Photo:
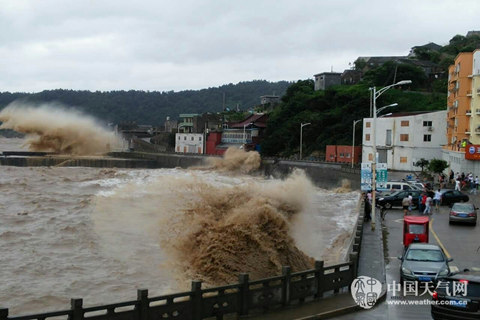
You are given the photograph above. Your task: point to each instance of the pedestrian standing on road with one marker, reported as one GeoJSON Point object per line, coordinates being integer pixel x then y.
{"type": "Point", "coordinates": [457, 184]}
{"type": "Point", "coordinates": [424, 202]}
{"type": "Point", "coordinates": [410, 203]}
{"type": "Point", "coordinates": [437, 198]}
{"type": "Point", "coordinates": [405, 205]}
{"type": "Point", "coordinates": [452, 176]}
{"type": "Point", "coordinates": [428, 206]}
{"type": "Point", "coordinates": [367, 208]}
{"type": "Point", "coordinates": [420, 203]}
{"type": "Point", "coordinates": [476, 184]}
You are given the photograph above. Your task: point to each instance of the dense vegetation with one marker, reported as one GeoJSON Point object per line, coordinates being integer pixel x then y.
{"type": "Point", "coordinates": [331, 114]}
{"type": "Point", "coordinates": [153, 107]}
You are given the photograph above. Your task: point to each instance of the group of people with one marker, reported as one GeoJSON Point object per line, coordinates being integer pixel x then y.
{"type": "Point", "coordinates": [464, 181]}
{"type": "Point", "coordinates": [426, 201]}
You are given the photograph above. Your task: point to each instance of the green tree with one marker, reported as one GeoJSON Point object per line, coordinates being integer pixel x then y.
{"type": "Point", "coordinates": [437, 166]}
{"type": "Point", "coordinates": [422, 163]}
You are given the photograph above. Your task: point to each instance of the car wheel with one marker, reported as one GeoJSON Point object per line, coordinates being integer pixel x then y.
{"type": "Point", "coordinates": [388, 205]}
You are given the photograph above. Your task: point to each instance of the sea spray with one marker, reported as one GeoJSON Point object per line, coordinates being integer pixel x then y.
{"type": "Point", "coordinates": [52, 127]}
{"type": "Point", "coordinates": [236, 160]}
{"type": "Point", "coordinates": [209, 227]}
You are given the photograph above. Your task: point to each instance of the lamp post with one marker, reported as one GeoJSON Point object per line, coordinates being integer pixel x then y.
{"type": "Point", "coordinates": [375, 95]}
{"type": "Point", "coordinates": [301, 133]}
{"type": "Point", "coordinates": [244, 137]}
{"type": "Point", "coordinates": [353, 140]}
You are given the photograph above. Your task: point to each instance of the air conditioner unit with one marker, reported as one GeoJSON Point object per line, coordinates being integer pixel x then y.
{"type": "Point", "coordinates": [429, 128]}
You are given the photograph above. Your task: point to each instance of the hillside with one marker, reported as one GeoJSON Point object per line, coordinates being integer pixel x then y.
{"type": "Point", "coordinates": [331, 114]}
{"type": "Point", "coordinates": [153, 107]}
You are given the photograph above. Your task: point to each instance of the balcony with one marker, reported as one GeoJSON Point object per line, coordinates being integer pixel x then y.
{"type": "Point", "coordinates": [478, 91]}
{"type": "Point", "coordinates": [470, 76]}
{"type": "Point", "coordinates": [468, 113]}
{"type": "Point", "coordinates": [469, 93]}
{"type": "Point", "coordinates": [467, 132]}
{"type": "Point", "coordinates": [477, 131]}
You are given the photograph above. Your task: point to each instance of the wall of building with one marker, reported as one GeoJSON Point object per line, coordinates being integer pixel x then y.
{"type": "Point", "coordinates": [343, 154]}
{"type": "Point", "coordinates": [458, 100]}
{"type": "Point", "coordinates": [415, 129]}
{"type": "Point", "coordinates": [189, 142]}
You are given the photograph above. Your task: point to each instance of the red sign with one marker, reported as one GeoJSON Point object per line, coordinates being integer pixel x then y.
{"type": "Point", "coordinates": [472, 152]}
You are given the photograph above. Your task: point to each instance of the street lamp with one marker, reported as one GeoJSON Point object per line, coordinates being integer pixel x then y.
{"type": "Point", "coordinates": [375, 95]}
{"type": "Point", "coordinates": [353, 140]}
{"type": "Point", "coordinates": [244, 137]}
{"type": "Point", "coordinates": [301, 132]}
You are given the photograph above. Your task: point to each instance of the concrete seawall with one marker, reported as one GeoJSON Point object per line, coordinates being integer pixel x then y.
{"type": "Point", "coordinates": [323, 174]}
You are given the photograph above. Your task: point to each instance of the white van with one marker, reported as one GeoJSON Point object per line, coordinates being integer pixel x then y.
{"type": "Point", "coordinates": [400, 185]}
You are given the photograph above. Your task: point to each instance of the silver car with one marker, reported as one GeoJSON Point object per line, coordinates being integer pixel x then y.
{"type": "Point", "coordinates": [463, 212]}
{"type": "Point", "coordinates": [424, 262]}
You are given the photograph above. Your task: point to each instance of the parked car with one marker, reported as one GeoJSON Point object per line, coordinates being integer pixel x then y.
{"type": "Point", "coordinates": [463, 212]}
{"type": "Point", "coordinates": [424, 262]}
{"type": "Point", "coordinates": [450, 196]}
{"type": "Point", "coordinates": [401, 185]}
{"type": "Point", "coordinates": [460, 305]}
{"type": "Point", "coordinates": [395, 199]}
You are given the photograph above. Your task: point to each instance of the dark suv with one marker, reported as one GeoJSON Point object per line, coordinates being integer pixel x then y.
{"type": "Point", "coordinates": [454, 303]}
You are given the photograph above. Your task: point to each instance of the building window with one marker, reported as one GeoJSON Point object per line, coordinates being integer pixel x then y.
{"type": "Point", "coordinates": [178, 137]}
{"type": "Point", "coordinates": [403, 159]}
{"type": "Point", "coordinates": [185, 138]}
{"type": "Point", "coordinates": [367, 137]}
{"type": "Point", "coordinates": [404, 137]}
{"type": "Point", "coordinates": [427, 137]}
{"type": "Point", "coordinates": [332, 156]}
{"type": "Point", "coordinates": [370, 156]}
{"type": "Point", "coordinates": [192, 138]}
{"type": "Point", "coordinates": [199, 138]}
{"type": "Point", "coordinates": [405, 123]}
{"type": "Point", "coordinates": [347, 155]}
{"type": "Point", "coordinates": [341, 155]}
{"type": "Point", "coordinates": [367, 124]}
{"type": "Point", "coordinates": [388, 138]}
{"type": "Point", "coordinates": [427, 123]}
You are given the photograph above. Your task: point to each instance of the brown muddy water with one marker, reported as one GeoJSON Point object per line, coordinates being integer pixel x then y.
{"type": "Point", "coordinates": [100, 234]}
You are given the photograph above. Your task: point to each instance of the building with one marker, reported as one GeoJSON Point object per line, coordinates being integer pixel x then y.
{"type": "Point", "coordinates": [185, 125]}
{"type": "Point", "coordinates": [189, 142]}
{"type": "Point", "coordinates": [327, 79]}
{"type": "Point", "coordinates": [459, 98]}
{"type": "Point", "coordinates": [272, 99]}
{"type": "Point", "coordinates": [343, 154]}
{"type": "Point", "coordinates": [463, 118]}
{"type": "Point", "coordinates": [404, 138]}
{"type": "Point", "coordinates": [351, 76]}
{"type": "Point", "coordinates": [170, 125]}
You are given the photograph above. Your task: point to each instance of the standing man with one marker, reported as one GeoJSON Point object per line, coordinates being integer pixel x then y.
{"type": "Point", "coordinates": [405, 205]}
{"type": "Point", "coordinates": [437, 198]}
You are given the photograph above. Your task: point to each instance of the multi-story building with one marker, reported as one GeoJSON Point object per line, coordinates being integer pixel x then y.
{"type": "Point", "coordinates": [404, 138]}
{"type": "Point", "coordinates": [463, 117]}
{"type": "Point", "coordinates": [459, 98]}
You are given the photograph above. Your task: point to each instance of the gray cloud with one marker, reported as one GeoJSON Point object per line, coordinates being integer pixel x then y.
{"type": "Point", "coordinates": [166, 45]}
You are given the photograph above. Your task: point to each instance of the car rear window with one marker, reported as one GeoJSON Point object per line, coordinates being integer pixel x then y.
{"type": "Point", "coordinates": [416, 228]}
{"type": "Point", "coordinates": [462, 207]}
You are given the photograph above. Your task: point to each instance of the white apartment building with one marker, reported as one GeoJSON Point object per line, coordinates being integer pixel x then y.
{"type": "Point", "coordinates": [404, 138]}
{"type": "Point", "coordinates": [189, 142]}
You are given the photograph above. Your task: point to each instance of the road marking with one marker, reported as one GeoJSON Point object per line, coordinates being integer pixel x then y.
{"type": "Point", "coordinates": [438, 240]}
{"type": "Point", "coordinates": [398, 220]}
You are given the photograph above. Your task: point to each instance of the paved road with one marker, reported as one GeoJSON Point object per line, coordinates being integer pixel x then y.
{"type": "Point", "coordinates": [461, 242]}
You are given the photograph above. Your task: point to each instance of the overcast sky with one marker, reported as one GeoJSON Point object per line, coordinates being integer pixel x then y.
{"type": "Point", "coordinates": [177, 45]}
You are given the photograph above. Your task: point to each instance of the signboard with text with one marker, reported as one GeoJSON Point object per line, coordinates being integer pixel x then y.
{"type": "Point", "coordinates": [366, 176]}
{"type": "Point", "coordinates": [472, 152]}
{"type": "Point", "coordinates": [382, 175]}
